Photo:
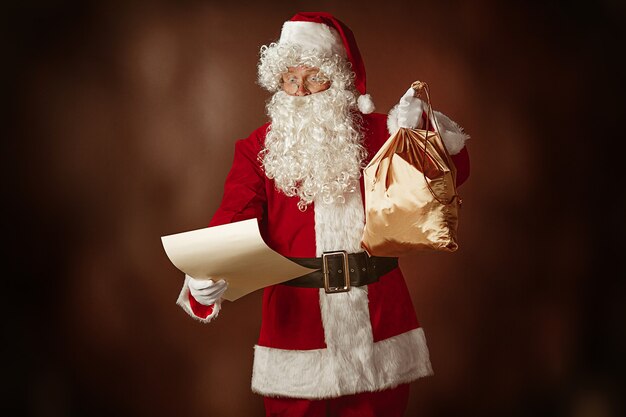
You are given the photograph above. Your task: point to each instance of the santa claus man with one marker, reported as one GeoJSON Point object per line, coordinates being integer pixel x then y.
{"type": "Point", "coordinates": [323, 351]}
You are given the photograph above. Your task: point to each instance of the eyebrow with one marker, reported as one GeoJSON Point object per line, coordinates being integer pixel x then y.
{"type": "Point", "coordinates": [307, 72]}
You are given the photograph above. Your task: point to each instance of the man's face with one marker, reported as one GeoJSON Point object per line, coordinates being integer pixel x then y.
{"type": "Point", "coordinates": [302, 81]}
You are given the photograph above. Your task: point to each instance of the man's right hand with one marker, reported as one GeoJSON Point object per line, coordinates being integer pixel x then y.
{"type": "Point", "coordinates": [207, 292]}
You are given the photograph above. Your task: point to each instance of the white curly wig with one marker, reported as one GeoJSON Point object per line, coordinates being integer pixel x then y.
{"type": "Point", "coordinates": [275, 58]}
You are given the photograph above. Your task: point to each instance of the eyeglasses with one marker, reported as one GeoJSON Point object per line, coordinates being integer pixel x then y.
{"type": "Point", "coordinates": [311, 81]}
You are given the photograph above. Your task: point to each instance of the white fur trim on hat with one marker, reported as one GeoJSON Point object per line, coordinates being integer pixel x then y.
{"type": "Point", "coordinates": [366, 104]}
{"type": "Point", "coordinates": [311, 35]}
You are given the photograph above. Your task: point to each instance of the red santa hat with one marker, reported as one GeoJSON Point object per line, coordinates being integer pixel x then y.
{"type": "Point", "coordinates": [323, 32]}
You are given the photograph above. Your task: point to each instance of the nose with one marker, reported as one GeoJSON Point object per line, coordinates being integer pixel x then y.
{"type": "Point", "coordinates": [302, 90]}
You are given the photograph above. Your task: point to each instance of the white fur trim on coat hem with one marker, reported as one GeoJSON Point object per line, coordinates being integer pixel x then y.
{"type": "Point", "coordinates": [316, 374]}
{"type": "Point", "coordinates": [452, 134]}
{"type": "Point", "coordinates": [183, 302]}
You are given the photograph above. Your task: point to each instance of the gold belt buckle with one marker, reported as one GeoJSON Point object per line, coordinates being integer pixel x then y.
{"type": "Point", "coordinates": [345, 272]}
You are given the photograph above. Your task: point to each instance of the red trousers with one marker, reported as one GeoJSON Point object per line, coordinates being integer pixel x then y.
{"type": "Point", "coordinates": [387, 403]}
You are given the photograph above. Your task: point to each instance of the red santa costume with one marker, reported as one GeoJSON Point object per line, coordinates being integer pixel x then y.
{"type": "Point", "coordinates": [315, 345]}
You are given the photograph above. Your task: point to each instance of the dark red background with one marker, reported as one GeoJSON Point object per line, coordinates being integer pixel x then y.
{"type": "Point", "coordinates": [121, 124]}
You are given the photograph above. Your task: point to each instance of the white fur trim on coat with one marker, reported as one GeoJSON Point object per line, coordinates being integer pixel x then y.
{"type": "Point", "coordinates": [339, 226]}
{"type": "Point", "coordinates": [312, 36]}
{"type": "Point", "coordinates": [183, 301]}
{"type": "Point", "coordinates": [318, 373]}
{"type": "Point", "coordinates": [452, 134]}
{"type": "Point", "coordinates": [345, 316]}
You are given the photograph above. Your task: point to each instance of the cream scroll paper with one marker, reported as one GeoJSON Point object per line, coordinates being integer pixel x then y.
{"type": "Point", "coordinates": [234, 252]}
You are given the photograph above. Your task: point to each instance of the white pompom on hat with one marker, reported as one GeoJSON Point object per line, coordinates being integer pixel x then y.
{"type": "Point", "coordinates": [323, 32]}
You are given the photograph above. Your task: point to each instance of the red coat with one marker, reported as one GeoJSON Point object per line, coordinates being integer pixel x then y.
{"type": "Point", "coordinates": [312, 344]}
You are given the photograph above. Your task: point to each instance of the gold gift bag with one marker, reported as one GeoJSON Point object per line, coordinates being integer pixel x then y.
{"type": "Point", "coordinates": [411, 202]}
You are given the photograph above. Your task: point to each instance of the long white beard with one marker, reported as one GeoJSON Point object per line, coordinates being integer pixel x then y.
{"type": "Point", "coordinates": [313, 149]}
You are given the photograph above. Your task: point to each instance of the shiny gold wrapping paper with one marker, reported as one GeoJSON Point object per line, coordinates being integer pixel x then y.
{"type": "Point", "coordinates": [410, 198]}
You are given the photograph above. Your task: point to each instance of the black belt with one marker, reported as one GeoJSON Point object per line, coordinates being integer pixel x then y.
{"type": "Point", "coordinates": [337, 271]}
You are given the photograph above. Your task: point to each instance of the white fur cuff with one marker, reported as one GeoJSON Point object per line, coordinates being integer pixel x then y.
{"type": "Point", "coordinates": [183, 302]}
{"type": "Point", "coordinates": [452, 134]}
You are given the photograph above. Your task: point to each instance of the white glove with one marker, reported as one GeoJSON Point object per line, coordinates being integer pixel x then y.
{"type": "Point", "coordinates": [410, 110]}
{"type": "Point", "coordinates": [207, 292]}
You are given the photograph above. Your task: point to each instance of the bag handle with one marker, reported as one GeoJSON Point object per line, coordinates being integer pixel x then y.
{"type": "Point", "coordinates": [418, 87]}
